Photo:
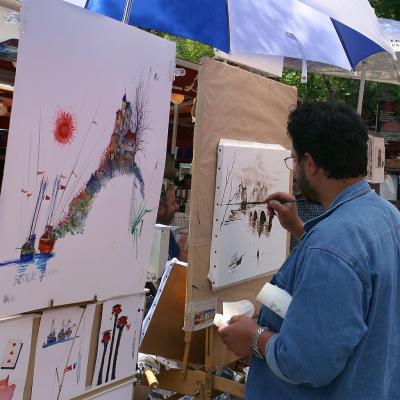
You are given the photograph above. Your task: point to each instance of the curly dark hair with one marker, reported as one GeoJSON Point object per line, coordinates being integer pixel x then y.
{"type": "Point", "coordinates": [334, 135]}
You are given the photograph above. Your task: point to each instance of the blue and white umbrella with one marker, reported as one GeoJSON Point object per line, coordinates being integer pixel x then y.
{"type": "Point", "coordinates": [312, 30]}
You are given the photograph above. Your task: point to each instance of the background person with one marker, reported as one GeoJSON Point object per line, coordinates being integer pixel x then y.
{"type": "Point", "coordinates": [306, 210]}
{"type": "Point", "coordinates": [167, 208]}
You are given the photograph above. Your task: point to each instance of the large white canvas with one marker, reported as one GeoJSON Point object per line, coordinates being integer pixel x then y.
{"type": "Point", "coordinates": [15, 348]}
{"type": "Point", "coordinates": [93, 100]}
{"type": "Point", "coordinates": [242, 248]}
{"type": "Point", "coordinates": [62, 353]}
{"type": "Point", "coordinates": [119, 337]}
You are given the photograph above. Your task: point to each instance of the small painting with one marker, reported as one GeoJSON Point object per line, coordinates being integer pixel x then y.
{"type": "Point", "coordinates": [15, 348]}
{"type": "Point", "coordinates": [246, 241]}
{"type": "Point", "coordinates": [62, 353]}
{"type": "Point", "coordinates": [117, 348]}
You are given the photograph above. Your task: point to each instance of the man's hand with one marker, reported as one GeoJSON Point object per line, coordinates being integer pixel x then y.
{"type": "Point", "coordinates": [238, 334]}
{"type": "Point", "coordinates": [287, 213]}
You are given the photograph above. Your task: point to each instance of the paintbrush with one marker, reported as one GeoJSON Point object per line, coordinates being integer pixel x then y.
{"type": "Point", "coordinates": [265, 202]}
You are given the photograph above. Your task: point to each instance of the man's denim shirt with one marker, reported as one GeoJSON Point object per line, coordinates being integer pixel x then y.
{"type": "Point", "coordinates": [341, 335]}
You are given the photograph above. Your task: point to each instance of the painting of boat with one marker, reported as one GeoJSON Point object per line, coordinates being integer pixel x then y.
{"type": "Point", "coordinates": [236, 261]}
{"type": "Point", "coordinates": [63, 335]}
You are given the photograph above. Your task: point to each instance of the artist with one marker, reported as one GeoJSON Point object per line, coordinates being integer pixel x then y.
{"type": "Point", "coordinates": [340, 338]}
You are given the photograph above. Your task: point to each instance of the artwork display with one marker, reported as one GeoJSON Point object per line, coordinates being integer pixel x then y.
{"type": "Point", "coordinates": [85, 157]}
{"type": "Point", "coordinates": [119, 337]}
{"type": "Point", "coordinates": [62, 353]}
{"type": "Point", "coordinates": [246, 241]}
{"type": "Point", "coordinates": [15, 348]}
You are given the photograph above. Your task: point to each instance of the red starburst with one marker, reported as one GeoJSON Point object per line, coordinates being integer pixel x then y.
{"type": "Point", "coordinates": [64, 127]}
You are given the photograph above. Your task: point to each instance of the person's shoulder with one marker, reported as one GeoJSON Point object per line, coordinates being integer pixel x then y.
{"type": "Point", "coordinates": [352, 225]}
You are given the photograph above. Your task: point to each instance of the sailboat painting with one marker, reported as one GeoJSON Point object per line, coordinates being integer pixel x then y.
{"type": "Point", "coordinates": [85, 157]}
{"type": "Point", "coordinates": [246, 240]}
{"type": "Point", "coordinates": [118, 344]}
{"type": "Point", "coordinates": [15, 349]}
{"type": "Point", "coordinates": [62, 353]}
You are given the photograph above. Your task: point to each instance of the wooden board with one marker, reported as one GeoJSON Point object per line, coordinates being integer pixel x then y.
{"type": "Point", "coordinates": [165, 335]}
{"type": "Point", "coordinates": [29, 379]}
{"type": "Point", "coordinates": [231, 104]}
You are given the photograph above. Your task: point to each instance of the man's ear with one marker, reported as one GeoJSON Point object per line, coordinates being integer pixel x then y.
{"type": "Point", "coordinates": [310, 164]}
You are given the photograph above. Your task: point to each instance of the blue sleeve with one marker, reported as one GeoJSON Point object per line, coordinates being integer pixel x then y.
{"type": "Point", "coordinates": [324, 322]}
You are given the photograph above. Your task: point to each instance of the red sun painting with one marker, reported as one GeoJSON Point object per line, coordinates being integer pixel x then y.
{"type": "Point", "coordinates": [64, 127]}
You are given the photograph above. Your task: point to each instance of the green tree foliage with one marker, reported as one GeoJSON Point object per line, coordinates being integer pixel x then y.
{"type": "Point", "coordinates": [321, 87]}
{"type": "Point", "coordinates": [189, 50]}
{"type": "Point", "coordinates": [387, 8]}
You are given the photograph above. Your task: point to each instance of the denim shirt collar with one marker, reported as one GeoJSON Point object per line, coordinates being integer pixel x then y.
{"type": "Point", "coordinates": [356, 190]}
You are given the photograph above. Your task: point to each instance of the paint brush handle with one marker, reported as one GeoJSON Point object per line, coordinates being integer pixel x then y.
{"type": "Point", "coordinates": [265, 202]}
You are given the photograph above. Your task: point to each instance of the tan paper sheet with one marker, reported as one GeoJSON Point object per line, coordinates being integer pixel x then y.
{"type": "Point", "coordinates": [232, 104]}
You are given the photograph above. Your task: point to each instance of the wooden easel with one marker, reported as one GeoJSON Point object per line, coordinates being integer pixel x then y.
{"type": "Point", "coordinates": [193, 349]}
{"type": "Point", "coordinates": [231, 104]}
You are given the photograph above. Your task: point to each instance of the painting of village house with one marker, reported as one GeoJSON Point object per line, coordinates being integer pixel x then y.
{"type": "Point", "coordinates": [84, 160]}
{"type": "Point", "coordinates": [246, 240]}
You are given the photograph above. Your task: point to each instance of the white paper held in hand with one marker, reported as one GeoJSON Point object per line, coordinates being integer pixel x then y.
{"type": "Point", "coordinates": [242, 307]}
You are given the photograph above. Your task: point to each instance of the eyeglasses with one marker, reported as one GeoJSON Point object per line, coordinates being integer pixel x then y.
{"type": "Point", "coordinates": [289, 162]}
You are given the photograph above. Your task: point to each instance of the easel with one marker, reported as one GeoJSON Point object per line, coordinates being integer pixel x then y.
{"type": "Point", "coordinates": [203, 382]}
{"type": "Point", "coordinates": [231, 104]}
{"type": "Point", "coordinates": [197, 374]}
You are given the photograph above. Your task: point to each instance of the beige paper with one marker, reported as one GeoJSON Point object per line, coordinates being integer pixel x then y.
{"type": "Point", "coordinates": [231, 104]}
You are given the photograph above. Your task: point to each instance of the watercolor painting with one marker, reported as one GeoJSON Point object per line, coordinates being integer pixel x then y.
{"type": "Point", "coordinates": [84, 161]}
{"type": "Point", "coordinates": [15, 347]}
{"type": "Point", "coordinates": [119, 338]}
{"type": "Point", "coordinates": [246, 241]}
{"type": "Point", "coordinates": [62, 353]}
{"type": "Point", "coordinates": [11, 354]}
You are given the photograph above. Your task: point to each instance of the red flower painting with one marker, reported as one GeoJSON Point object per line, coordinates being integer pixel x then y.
{"type": "Point", "coordinates": [64, 127]}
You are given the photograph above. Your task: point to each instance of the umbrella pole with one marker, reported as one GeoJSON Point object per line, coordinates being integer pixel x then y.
{"type": "Point", "coordinates": [127, 11]}
{"type": "Point", "coordinates": [361, 91]}
{"type": "Point", "coordinates": [175, 129]}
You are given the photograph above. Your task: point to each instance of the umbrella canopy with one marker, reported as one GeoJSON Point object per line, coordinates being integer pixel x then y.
{"type": "Point", "coordinates": [291, 28]}
{"type": "Point", "coordinates": [379, 67]}
{"type": "Point", "coordinates": [360, 17]}
{"type": "Point", "coordinates": [205, 21]}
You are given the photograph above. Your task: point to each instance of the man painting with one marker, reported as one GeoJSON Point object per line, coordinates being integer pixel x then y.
{"type": "Point", "coordinates": [340, 338]}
